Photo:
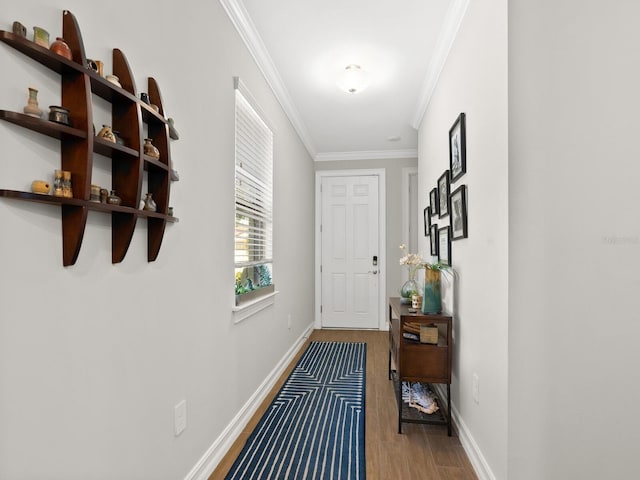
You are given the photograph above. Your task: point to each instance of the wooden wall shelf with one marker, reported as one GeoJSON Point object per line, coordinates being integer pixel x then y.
{"type": "Point", "coordinates": [78, 144]}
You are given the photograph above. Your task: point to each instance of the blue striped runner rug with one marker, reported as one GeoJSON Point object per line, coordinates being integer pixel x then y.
{"type": "Point", "coordinates": [314, 428]}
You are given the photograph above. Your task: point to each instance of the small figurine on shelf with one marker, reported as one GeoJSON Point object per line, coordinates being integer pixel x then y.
{"type": "Point", "coordinates": [173, 133]}
{"type": "Point", "coordinates": [19, 29]}
{"type": "Point", "coordinates": [32, 108]}
{"type": "Point", "coordinates": [104, 195]}
{"type": "Point", "coordinates": [149, 203]}
{"type": "Point", "coordinates": [95, 65]}
{"type": "Point", "coordinates": [150, 149]}
{"type": "Point", "coordinates": [41, 187]}
{"type": "Point", "coordinates": [57, 184]}
{"type": "Point", "coordinates": [67, 191]}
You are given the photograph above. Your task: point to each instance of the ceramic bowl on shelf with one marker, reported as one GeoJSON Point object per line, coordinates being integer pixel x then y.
{"type": "Point", "coordinates": [59, 115]}
{"type": "Point", "coordinates": [113, 79]}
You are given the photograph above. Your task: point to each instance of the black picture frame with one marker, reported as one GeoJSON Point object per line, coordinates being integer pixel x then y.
{"type": "Point", "coordinates": [458, 148]}
{"type": "Point", "coordinates": [427, 221]}
{"type": "Point", "coordinates": [443, 194]}
{"type": "Point", "coordinates": [433, 201]}
{"type": "Point", "coordinates": [433, 240]}
{"type": "Point", "coordinates": [458, 203]}
{"type": "Point", "coordinates": [444, 245]}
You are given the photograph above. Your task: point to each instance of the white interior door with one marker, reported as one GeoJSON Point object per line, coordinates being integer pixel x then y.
{"type": "Point", "coordinates": [350, 289]}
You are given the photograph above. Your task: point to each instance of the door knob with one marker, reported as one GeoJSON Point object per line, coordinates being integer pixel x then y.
{"type": "Point", "coordinates": [375, 272]}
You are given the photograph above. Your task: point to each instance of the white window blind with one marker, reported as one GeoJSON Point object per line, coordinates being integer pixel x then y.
{"type": "Point", "coordinates": [253, 198]}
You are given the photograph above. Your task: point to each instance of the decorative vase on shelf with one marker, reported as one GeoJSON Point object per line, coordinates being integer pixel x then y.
{"type": "Point", "coordinates": [113, 199]}
{"type": "Point", "coordinates": [149, 204]}
{"type": "Point", "coordinates": [61, 48]}
{"type": "Point", "coordinates": [432, 298]}
{"type": "Point", "coordinates": [32, 108]}
{"type": "Point", "coordinates": [41, 37]}
{"type": "Point", "coordinates": [106, 133]}
{"type": "Point", "coordinates": [409, 288]}
{"type": "Point", "coordinates": [150, 150]}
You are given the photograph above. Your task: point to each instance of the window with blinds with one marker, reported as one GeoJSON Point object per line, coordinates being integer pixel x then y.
{"type": "Point", "coordinates": [254, 202]}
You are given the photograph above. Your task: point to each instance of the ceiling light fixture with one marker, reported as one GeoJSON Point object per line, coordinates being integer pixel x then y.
{"type": "Point", "coordinates": [353, 79]}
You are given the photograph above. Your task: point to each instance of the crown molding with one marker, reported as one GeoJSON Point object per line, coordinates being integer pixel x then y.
{"type": "Point", "coordinates": [366, 155]}
{"type": "Point", "coordinates": [452, 22]}
{"type": "Point", "coordinates": [246, 29]}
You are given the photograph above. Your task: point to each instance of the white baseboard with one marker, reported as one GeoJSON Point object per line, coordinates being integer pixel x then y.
{"type": "Point", "coordinates": [479, 463]}
{"type": "Point", "coordinates": [214, 454]}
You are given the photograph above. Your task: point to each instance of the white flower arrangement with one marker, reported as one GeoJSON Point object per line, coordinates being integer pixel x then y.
{"type": "Point", "coordinates": [411, 260]}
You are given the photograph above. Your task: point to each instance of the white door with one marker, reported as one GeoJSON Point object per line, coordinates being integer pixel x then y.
{"type": "Point", "coordinates": [349, 252]}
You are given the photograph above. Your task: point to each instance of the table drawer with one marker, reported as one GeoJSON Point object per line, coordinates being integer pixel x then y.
{"type": "Point", "coordinates": [428, 362]}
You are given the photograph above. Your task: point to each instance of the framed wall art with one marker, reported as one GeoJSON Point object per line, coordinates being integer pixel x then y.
{"type": "Point", "coordinates": [444, 245]}
{"type": "Point", "coordinates": [459, 213]}
{"type": "Point", "coordinates": [433, 201]}
{"type": "Point", "coordinates": [443, 194]}
{"type": "Point", "coordinates": [434, 239]}
{"type": "Point", "coordinates": [457, 149]}
{"type": "Point", "coordinates": [427, 221]}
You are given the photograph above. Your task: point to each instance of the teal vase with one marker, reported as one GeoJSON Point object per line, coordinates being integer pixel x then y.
{"type": "Point", "coordinates": [432, 298]}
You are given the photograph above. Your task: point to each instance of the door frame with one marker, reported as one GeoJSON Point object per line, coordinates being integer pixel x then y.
{"type": "Point", "coordinates": [382, 243]}
{"type": "Point", "coordinates": [407, 172]}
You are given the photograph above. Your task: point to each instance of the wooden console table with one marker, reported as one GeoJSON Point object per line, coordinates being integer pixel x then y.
{"type": "Point", "coordinates": [412, 361]}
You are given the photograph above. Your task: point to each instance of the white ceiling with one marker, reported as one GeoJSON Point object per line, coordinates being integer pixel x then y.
{"type": "Point", "coordinates": [303, 45]}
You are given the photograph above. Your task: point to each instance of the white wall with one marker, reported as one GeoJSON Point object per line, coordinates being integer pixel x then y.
{"type": "Point", "coordinates": [94, 357]}
{"type": "Point", "coordinates": [474, 81]}
{"type": "Point", "coordinates": [574, 246]}
{"type": "Point", "coordinates": [393, 176]}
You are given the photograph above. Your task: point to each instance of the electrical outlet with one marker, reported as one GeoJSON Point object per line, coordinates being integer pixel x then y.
{"type": "Point", "coordinates": [289, 321]}
{"type": "Point", "coordinates": [180, 417]}
{"type": "Point", "coordinates": [476, 388]}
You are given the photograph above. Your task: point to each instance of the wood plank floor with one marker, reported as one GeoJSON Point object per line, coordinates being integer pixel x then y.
{"type": "Point", "coordinates": [422, 452]}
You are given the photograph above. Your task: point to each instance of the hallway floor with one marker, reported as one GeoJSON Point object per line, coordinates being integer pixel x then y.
{"type": "Point", "coordinates": [422, 452]}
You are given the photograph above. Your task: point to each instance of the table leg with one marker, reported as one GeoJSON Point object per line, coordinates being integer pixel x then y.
{"type": "Point", "coordinates": [399, 396]}
{"type": "Point", "coordinates": [449, 408]}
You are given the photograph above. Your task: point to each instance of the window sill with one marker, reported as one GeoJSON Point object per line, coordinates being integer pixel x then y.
{"type": "Point", "coordinates": [248, 309]}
